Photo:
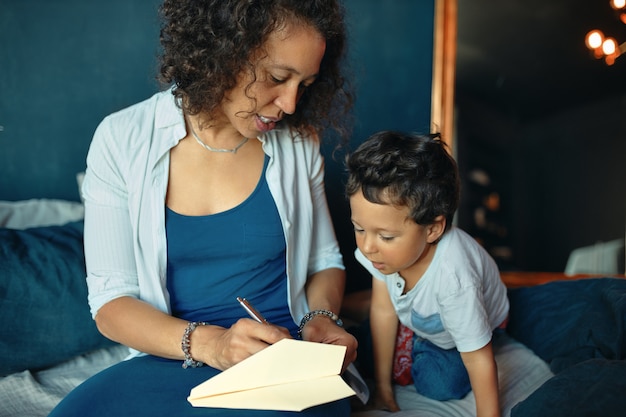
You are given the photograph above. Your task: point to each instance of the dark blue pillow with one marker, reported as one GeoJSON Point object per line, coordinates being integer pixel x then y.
{"type": "Point", "coordinates": [594, 387]}
{"type": "Point", "coordinates": [43, 298]}
{"type": "Point", "coordinates": [569, 322]}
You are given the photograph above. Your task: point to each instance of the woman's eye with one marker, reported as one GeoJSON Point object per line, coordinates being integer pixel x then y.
{"type": "Point", "coordinates": [357, 230]}
{"type": "Point", "coordinates": [276, 80]}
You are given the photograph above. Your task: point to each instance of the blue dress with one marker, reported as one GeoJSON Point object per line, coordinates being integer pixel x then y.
{"type": "Point", "coordinates": [211, 260]}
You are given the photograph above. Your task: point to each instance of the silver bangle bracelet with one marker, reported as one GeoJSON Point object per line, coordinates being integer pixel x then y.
{"type": "Point", "coordinates": [190, 362]}
{"type": "Point", "coordinates": [309, 316]}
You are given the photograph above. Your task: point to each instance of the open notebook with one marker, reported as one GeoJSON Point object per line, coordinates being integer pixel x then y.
{"type": "Point", "coordinates": [290, 375]}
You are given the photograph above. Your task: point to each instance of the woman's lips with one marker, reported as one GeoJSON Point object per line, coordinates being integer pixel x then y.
{"type": "Point", "coordinates": [265, 124]}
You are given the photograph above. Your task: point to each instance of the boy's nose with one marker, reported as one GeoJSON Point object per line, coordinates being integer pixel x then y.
{"type": "Point", "coordinates": [368, 245]}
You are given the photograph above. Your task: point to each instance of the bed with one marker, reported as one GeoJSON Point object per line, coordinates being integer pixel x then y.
{"type": "Point", "coordinates": [562, 354]}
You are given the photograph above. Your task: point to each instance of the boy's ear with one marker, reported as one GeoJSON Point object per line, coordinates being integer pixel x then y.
{"type": "Point", "coordinates": [436, 229]}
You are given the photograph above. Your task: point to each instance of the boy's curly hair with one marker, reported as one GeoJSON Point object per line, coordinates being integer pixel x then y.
{"type": "Point", "coordinates": [406, 170]}
{"type": "Point", "coordinates": [207, 43]}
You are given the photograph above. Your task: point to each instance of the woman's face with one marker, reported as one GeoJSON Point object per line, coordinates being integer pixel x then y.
{"type": "Point", "coordinates": [284, 67]}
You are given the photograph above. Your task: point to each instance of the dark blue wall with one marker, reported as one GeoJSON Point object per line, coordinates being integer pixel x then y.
{"type": "Point", "coordinates": [66, 64]}
{"type": "Point", "coordinates": [391, 49]}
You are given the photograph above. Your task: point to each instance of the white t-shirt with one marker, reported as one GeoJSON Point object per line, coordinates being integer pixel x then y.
{"type": "Point", "coordinates": [459, 300]}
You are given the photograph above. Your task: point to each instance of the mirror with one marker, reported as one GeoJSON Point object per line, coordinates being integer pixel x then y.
{"type": "Point", "coordinates": [539, 130]}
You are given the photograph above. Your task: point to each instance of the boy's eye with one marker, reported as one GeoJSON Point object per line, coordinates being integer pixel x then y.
{"type": "Point", "coordinates": [386, 238]}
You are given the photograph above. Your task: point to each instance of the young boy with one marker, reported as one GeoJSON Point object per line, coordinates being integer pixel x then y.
{"type": "Point", "coordinates": [434, 278]}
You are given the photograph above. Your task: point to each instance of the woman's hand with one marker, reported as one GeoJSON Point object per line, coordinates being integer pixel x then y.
{"type": "Point", "coordinates": [222, 348]}
{"type": "Point", "coordinates": [323, 330]}
{"type": "Point", "coordinates": [139, 325]}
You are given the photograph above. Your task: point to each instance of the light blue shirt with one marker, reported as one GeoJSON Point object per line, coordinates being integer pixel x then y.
{"type": "Point", "coordinates": [125, 188]}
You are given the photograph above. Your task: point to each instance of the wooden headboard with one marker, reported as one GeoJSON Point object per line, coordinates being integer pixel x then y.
{"type": "Point", "coordinates": [515, 279]}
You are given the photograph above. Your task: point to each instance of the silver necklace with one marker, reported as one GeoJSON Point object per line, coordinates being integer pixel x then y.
{"type": "Point", "coordinates": [212, 149]}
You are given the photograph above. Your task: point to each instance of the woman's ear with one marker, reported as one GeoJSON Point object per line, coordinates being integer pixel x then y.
{"type": "Point", "coordinates": [435, 229]}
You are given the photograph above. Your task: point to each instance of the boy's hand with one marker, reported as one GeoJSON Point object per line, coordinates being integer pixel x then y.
{"type": "Point", "coordinates": [384, 399]}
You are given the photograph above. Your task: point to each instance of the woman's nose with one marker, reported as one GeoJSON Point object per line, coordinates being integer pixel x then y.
{"type": "Point", "coordinates": [287, 100]}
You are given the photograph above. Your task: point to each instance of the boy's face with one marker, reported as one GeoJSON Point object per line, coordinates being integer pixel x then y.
{"type": "Point", "coordinates": [389, 238]}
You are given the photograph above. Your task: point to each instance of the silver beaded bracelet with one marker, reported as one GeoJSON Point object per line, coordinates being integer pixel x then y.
{"type": "Point", "coordinates": [186, 344]}
{"type": "Point", "coordinates": [308, 316]}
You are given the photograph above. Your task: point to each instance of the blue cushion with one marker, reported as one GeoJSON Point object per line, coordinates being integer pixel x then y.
{"type": "Point", "coordinates": [569, 322]}
{"type": "Point", "coordinates": [43, 298]}
{"type": "Point", "coordinates": [594, 387]}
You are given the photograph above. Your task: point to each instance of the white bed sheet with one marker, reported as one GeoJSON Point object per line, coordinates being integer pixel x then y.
{"type": "Point", "coordinates": [35, 394]}
{"type": "Point", "coordinates": [520, 373]}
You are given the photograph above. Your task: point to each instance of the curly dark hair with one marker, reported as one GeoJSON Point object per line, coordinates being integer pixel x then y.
{"type": "Point", "coordinates": [406, 170]}
{"type": "Point", "coordinates": [207, 43]}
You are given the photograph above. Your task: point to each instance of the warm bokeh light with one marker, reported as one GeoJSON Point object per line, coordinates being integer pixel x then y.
{"type": "Point", "coordinates": [594, 39]}
{"type": "Point", "coordinates": [609, 46]}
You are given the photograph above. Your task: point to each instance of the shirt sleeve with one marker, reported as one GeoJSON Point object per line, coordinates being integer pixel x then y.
{"type": "Point", "coordinates": [109, 254]}
{"type": "Point", "coordinates": [464, 316]}
{"type": "Point", "coordinates": [325, 252]}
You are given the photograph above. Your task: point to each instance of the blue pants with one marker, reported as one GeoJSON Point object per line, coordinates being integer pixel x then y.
{"type": "Point", "coordinates": [438, 373]}
{"type": "Point", "coordinates": [151, 386]}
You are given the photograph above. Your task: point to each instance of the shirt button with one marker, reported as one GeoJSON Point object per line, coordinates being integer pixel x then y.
{"type": "Point", "coordinates": [398, 284]}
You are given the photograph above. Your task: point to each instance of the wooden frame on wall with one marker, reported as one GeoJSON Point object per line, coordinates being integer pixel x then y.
{"type": "Point", "coordinates": [444, 65]}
